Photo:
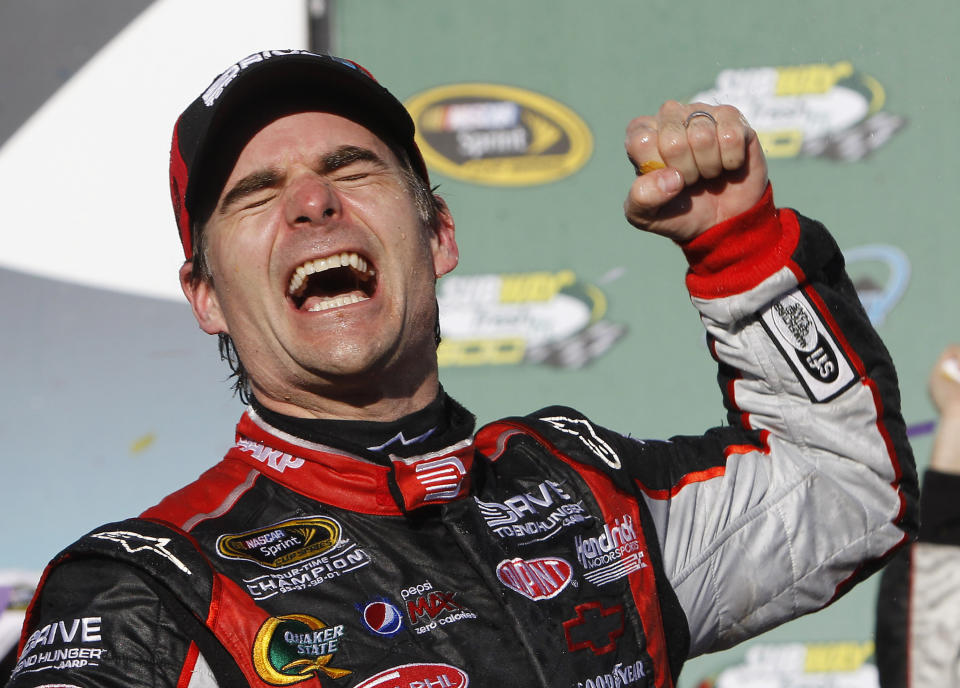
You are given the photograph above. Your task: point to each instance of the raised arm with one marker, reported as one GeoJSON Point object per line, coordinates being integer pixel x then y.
{"type": "Point", "coordinates": [811, 485]}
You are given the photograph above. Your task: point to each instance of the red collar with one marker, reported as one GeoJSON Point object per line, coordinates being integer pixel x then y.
{"type": "Point", "coordinates": [344, 480]}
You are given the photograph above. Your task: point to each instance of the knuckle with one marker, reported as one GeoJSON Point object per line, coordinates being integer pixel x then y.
{"type": "Point", "coordinates": [673, 144]}
{"type": "Point", "coordinates": [701, 138]}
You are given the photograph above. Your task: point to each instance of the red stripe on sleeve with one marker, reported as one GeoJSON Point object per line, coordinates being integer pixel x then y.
{"type": "Point", "coordinates": [739, 253]}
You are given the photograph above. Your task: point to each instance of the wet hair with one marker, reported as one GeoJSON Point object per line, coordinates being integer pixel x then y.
{"type": "Point", "coordinates": [428, 205]}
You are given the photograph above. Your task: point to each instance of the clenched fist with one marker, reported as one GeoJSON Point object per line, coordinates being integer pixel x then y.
{"type": "Point", "coordinates": [697, 165]}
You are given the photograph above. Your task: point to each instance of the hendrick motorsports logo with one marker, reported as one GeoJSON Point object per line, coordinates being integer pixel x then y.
{"type": "Point", "coordinates": [533, 317]}
{"type": "Point", "coordinates": [499, 135]}
{"type": "Point", "coordinates": [825, 110]}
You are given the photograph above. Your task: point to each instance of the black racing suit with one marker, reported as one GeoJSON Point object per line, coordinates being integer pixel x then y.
{"type": "Point", "coordinates": [540, 551]}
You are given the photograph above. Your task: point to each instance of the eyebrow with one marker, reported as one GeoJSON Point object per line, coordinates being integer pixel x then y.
{"type": "Point", "coordinates": [272, 177]}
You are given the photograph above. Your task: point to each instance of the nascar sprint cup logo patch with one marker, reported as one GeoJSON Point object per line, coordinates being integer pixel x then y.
{"type": "Point", "coordinates": [809, 347]}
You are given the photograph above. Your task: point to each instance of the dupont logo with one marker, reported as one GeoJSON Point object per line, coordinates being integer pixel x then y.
{"type": "Point", "coordinates": [418, 676]}
{"type": "Point", "coordinates": [499, 135]}
{"type": "Point", "coordinates": [536, 579]}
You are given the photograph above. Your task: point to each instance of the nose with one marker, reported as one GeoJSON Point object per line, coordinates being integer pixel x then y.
{"type": "Point", "coordinates": [311, 200]}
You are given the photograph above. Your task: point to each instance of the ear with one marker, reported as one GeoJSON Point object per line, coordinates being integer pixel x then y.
{"type": "Point", "coordinates": [443, 241]}
{"type": "Point", "coordinates": [203, 300]}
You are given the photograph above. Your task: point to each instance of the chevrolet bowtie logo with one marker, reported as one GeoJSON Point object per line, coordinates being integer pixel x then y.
{"type": "Point", "coordinates": [595, 627]}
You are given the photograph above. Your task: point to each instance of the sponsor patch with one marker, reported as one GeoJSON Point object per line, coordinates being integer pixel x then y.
{"type": "Point", "coordinates": [64, 644]}
{"type": "Point", "coordinates": [594, 627]}
{"type": "Point", "coordinates": [827, 110]}
{"type": "Point", "coordinates": [429, 608]}
{"type": "Point", "coordinates": [621, 674]}
{"type": "Point", "coordinates": [381, 617]}
{"type": "Point", "coordinates": [310, 551]}
{"type": "Point", "coordinates": [292, 648]}
{"type": "Point", "coordinates": [535, 579]}
{"type": "Point", "coordinates": [499, 135]}
{"type": "Point", "coordinates": [283, 544]}
{"type": "Point", "coordinates": [549, 318]}
{"type": "Point", "coordinates": [808, 346]}
{"type": "Point", "coordinates": [533, 516]}
{"type": "Point", "coordinates": [418, 676]}
{"type": "Point", "coordinates": [272, 458]}
{"type": "Point", "coordinates": [615, 553]}
{"type": "Point", "coordinates": [135, 542]}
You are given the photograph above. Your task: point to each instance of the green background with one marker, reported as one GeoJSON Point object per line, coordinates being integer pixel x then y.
{"type": "Point", "coordinates": [612, 60]}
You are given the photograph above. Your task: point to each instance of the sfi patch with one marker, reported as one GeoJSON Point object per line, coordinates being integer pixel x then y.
{"type": "Point", "coordinates": [809, 347]}
{"type": "Point", "coordinates": [499, 135]}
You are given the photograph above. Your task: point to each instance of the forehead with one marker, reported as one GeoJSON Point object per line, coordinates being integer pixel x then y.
{"type": "Point", "coordinates": [304, 137]}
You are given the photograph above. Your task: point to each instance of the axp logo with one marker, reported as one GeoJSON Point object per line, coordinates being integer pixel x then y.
{"type": "Point", "coordinates": [499, 135]}
{"type": "Point", "coordinates": [273, 458]}
{"type": "Point", "coordinates": [418, 676]}
{"type": "Point", "coordinates": [310, 551]}
{"type": "Point", "coordinates": [292, 648]}
{"type": "Point", "coordinates": [825, 110]}
{"type": "Point", "coordinates": [533, 516]}
{"type": "Point", "coordinates": [536, 317]}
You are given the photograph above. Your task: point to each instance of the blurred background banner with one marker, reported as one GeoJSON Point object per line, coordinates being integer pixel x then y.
{"type": "Point", "coordinates": [115, 398]}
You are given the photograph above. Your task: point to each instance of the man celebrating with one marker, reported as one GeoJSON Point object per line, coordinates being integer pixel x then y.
{"type": "Point", "coordinates": [361, 533]}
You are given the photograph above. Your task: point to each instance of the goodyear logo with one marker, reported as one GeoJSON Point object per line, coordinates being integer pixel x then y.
{"type": "Point", "coordinates": [499, 135]}
{"type": "Point", "coordinates": [548, 317]}
{"type": "Point", "coordinates": [823, 110]}
{"type": "Point", "coordinates": [293, 648]}
{"type": "Point", "coordinates": [282, 544]}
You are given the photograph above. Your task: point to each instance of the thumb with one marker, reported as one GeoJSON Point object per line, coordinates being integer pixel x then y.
{"type": "Point", "coordinates": [648, 193]}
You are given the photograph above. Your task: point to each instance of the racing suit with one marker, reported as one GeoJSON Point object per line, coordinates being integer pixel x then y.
{"type": "Point", "coordinates": [918, 606]}
{"type": "Point", "coordinates": [542, 550]}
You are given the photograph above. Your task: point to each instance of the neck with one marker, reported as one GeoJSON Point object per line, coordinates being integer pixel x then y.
{"type": "Point", "coordinates": [350, 404]}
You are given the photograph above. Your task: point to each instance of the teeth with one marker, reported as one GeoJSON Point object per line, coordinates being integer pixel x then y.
{"type": "Point", "coordinates": [336, 302]}
{"type": "Point", "coordinates": [299, 279]}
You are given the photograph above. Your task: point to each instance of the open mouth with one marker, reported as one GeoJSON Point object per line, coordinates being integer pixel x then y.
{"type": "Point", "coordinates": [331, 282]}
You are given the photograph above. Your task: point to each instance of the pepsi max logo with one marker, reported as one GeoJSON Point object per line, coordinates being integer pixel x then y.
{"type": "Point", "coordinates": [418, 676]}
{"type": "Point", "coordinates": [382, 617]}
{"type": "Point", "coordinates": [536, 579]}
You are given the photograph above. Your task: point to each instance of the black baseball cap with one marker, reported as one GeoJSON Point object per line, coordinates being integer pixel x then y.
{"type": "Point", "coordinates": [211, 132]}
